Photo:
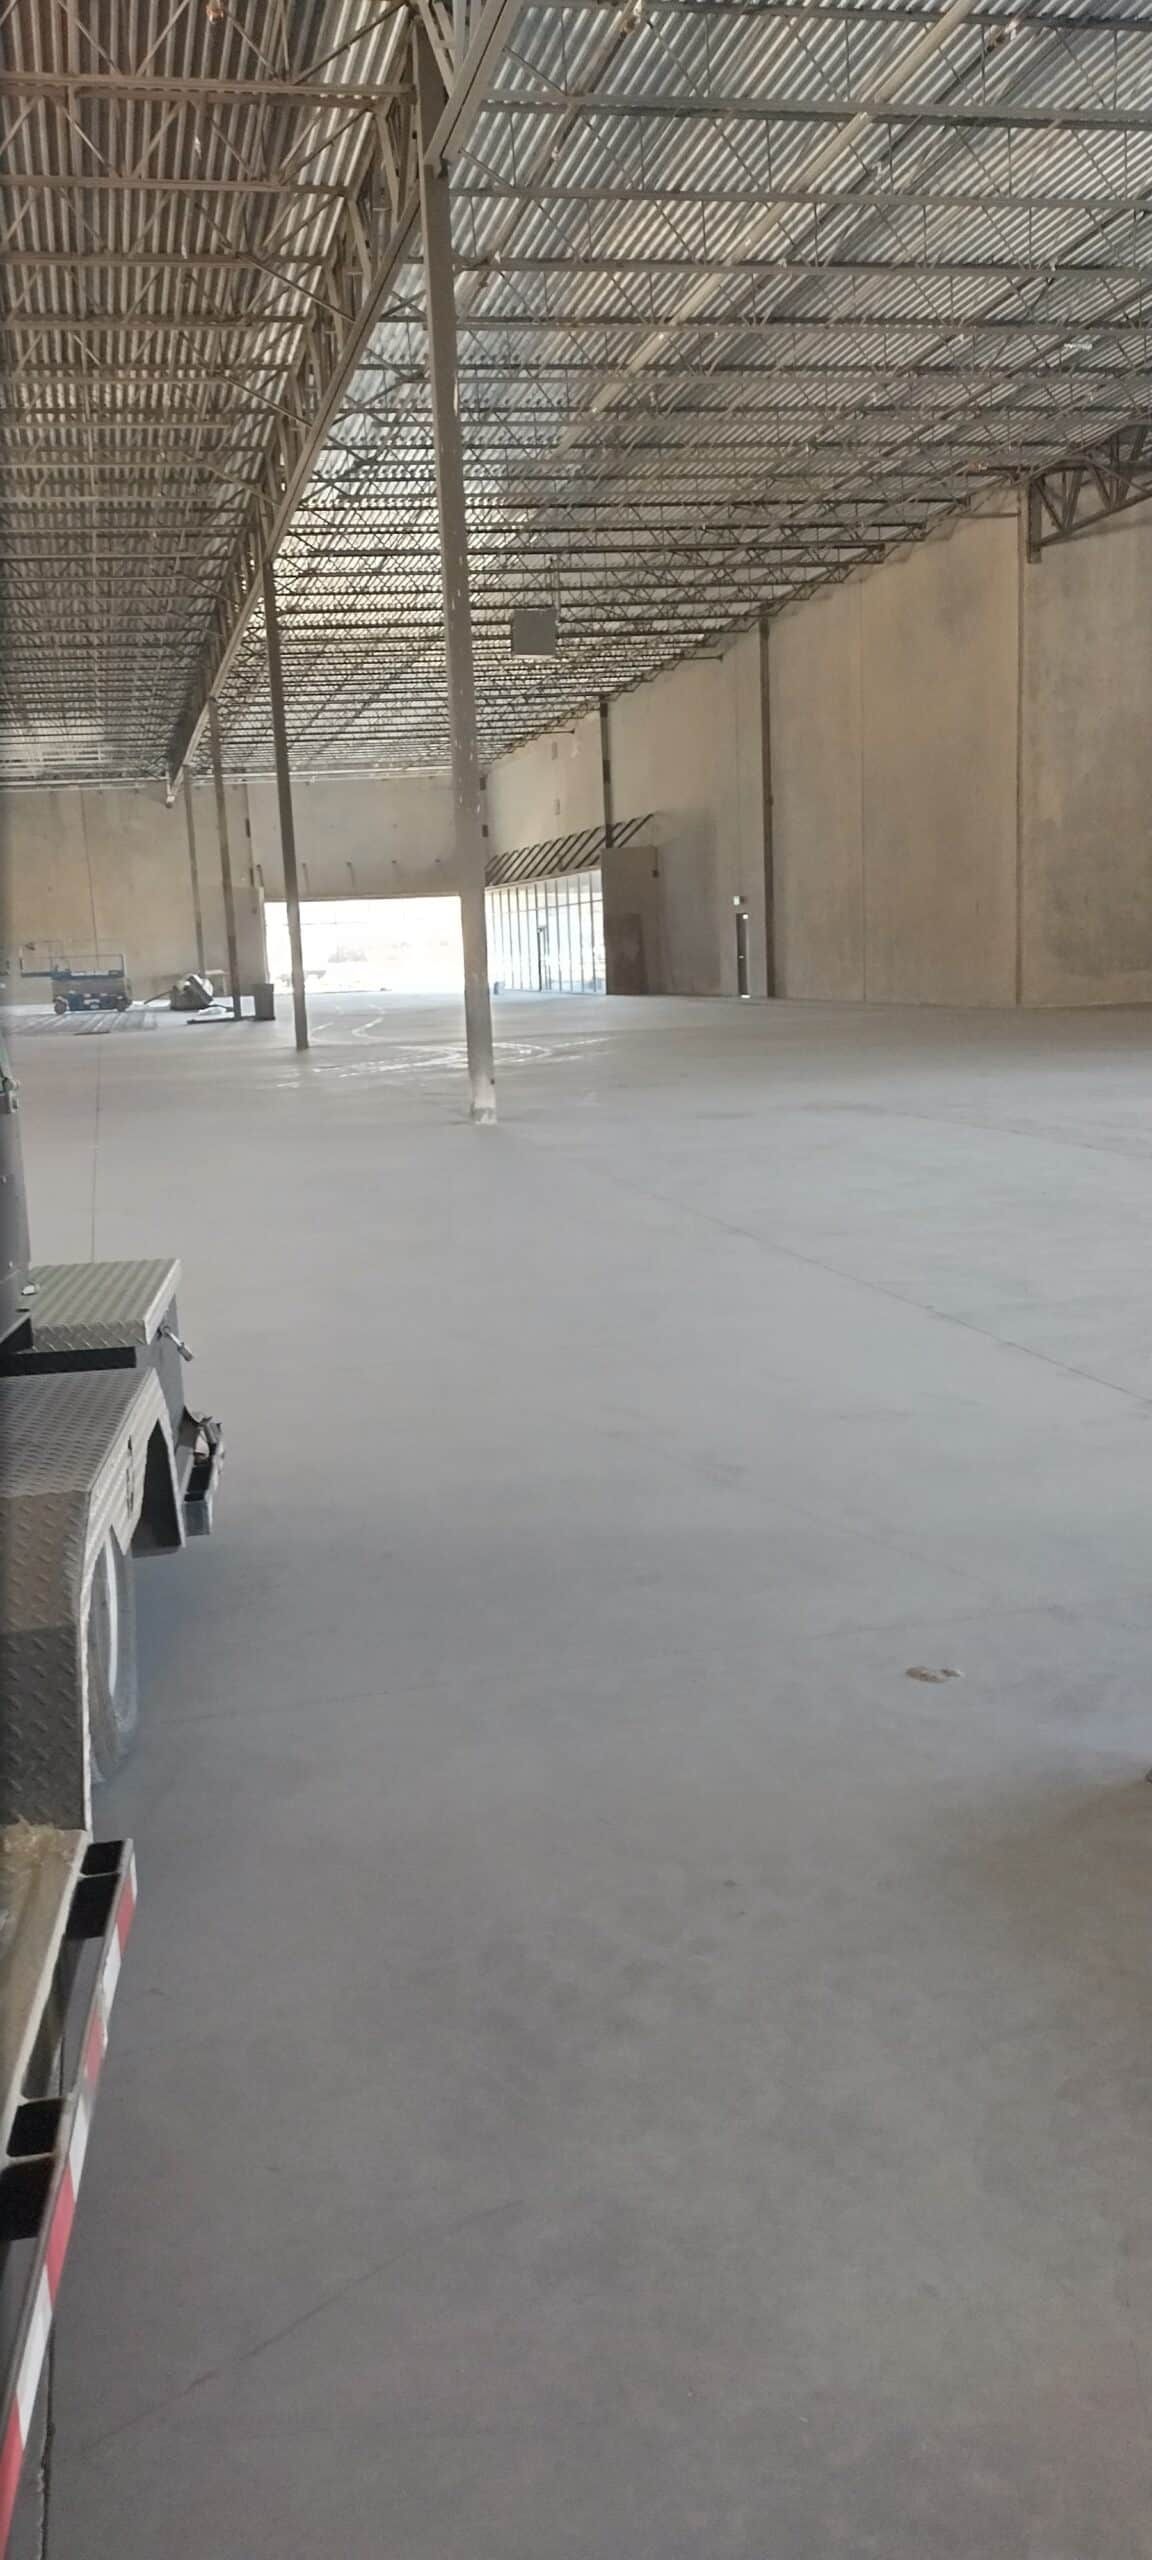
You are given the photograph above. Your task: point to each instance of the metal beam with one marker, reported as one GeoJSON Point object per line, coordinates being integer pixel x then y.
{"type": "Point", "coordinates": [944, 325]}
{"type": "Point", "coordinates": [284, 802]}
{"type": "Point", "coordinates": [199, 262]}
{"type": "Point", "coordinates": [152, 182]}
{"type": "Point", "coordinates": [1077, 496]}
{"type": "Point", "coordinates": [870, 197]}
{"type": "Point", "coordinates": [328, 363]}
{"type": "Point", "coordinates": [661, 495]}
{"type": "Point", "coordinates": [436, 230]}
{"type": "Point", "coordinates": [763, 642]}
{"type": "Point", "coordinates": [146, 324]}
{"type": "Point", "coordinates": [225, 856]}
{"type": "Point", "coordinates": [194, 873]}
{"type": "Point", "coordinates": [781, 270]}
{"type": "Point", "coordinates": [607, 799]}
{"type": "Point", "coordinates": [170, 378]}
{"type": "Point", "coordinates": [476, 368]}
{"type": "Point", "coordinates": [675, 106]}
{"type": "Point", "coordinates": [797, 13]}
{"type": "Point", "coordinates": [197, 89]}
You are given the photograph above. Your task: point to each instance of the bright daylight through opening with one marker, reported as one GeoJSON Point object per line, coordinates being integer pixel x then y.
{"type": "Point", "coordinates": [358, 946]}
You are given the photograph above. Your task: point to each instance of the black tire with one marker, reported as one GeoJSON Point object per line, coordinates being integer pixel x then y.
{"type": "Point", "coordinates": [60, 1004]}
{"type": "Point", "coordinates": [110, 1637]}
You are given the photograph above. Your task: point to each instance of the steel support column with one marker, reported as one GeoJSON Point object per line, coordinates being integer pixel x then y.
{"type": "Point", "coordinates": [284, 802]}
{"type": "Point", "coordinates": [194, 873]}
{"type": "Point", "coordinates": [436, 229]}
{"type": "Point", "coordinates": [225, 855]}
{"type": "Point", "coordinates": [608, 803]}
{"type": "Point", "coordinates": [770, 964]}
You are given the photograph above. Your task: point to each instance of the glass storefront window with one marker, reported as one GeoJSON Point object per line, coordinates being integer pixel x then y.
{"type": "Point", "coordinates": [546, 937]}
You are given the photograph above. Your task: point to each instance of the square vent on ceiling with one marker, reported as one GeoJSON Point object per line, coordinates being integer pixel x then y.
{"type": "Point", "coordinates": [532, 631]}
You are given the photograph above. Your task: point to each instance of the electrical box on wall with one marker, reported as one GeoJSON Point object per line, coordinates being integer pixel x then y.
{"type": "Point", "coordinates": [532, 631]}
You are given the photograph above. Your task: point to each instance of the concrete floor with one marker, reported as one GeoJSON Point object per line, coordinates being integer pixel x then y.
{"type": "Point", "coordinates": [611, 2068]}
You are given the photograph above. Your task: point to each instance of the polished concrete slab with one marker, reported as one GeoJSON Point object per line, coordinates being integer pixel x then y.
{"type": "Point", "coordinates": [610, 2064]}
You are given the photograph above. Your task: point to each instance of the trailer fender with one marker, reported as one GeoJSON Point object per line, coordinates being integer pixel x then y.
{"type": "Point", "coordinates": [160, 1527]}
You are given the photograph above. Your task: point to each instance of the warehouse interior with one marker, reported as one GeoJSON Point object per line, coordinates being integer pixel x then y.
{"type": "Point", "coordinates": [634, 2040]}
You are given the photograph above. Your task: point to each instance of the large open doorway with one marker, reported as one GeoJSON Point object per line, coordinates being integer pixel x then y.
{"type": "Point", "coordinates": [372, 946]}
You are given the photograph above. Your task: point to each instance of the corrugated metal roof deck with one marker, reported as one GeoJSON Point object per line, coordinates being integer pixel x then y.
{"type": "Point", "coordinates": [747, 295]}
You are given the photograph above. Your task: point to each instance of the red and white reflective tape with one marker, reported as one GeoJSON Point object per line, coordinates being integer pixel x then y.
{"type": "Point", "coordinates": [59, 2231]}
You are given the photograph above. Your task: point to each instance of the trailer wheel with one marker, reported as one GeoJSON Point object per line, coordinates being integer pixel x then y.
{"type": "Point", "coordinates": [113, 1699]}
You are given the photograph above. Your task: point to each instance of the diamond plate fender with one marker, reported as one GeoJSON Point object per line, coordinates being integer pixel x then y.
{"type": "Point", "coordinates": [73, 1457]}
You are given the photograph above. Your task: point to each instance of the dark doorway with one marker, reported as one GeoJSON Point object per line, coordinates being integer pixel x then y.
{"type": "Point", "coordinates": [741, 948]}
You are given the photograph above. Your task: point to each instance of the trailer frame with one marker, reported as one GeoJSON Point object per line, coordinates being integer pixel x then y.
{"type": "Point", "coordinates": [66, 2036]}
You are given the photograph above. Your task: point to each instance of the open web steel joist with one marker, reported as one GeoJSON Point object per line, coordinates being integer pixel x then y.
{"type": "Point", "coordinates": [747, 295]}
{"type": "Point", "coordinates": [202, 210]}
{"type": "Point", "coordinates": [1076, 496]}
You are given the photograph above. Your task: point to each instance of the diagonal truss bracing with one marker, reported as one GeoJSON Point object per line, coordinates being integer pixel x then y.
{"type": "Point", "coordinates": [201, 215]}
{"type": "Point", "coordinates": [747, 295]}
